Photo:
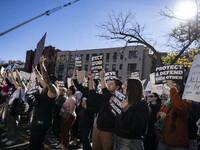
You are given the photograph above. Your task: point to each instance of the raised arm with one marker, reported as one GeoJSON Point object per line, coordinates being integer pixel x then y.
{"type": "Point", "coordinates": [90, 76]}
{"type": "Point", "coordinates": [51, 87]}
{"type": "Point", "coordinates": [102, 77]}
{"type": "Point", "coordinates": [21, 84]}
{"type": "Point", "coordinates": [13, 79]}
{"type": "Point", "coordinates": [39, 77]}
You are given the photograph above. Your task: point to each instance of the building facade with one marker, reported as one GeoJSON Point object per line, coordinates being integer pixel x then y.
{"type": "Point", "coordinates": [122, 60]}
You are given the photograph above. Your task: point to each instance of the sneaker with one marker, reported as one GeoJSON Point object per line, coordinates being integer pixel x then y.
{"type": "Point", "coordinates": [11, 142]}
{"type": "Point", "coordinates": [59, 146]}
{"type": "Point", "coordinates": [4, 140]}
{"type": "Point", "coordinates": [3, 134]}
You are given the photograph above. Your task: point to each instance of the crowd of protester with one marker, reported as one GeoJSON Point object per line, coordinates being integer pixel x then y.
{"type": "Point", "coordinates": [82, 114]}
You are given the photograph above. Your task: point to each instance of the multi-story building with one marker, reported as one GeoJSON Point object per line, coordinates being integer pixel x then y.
{"type": "Point", "coordinates": [122, 60]}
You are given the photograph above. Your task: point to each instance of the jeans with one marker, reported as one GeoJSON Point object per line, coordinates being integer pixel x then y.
{"type": "Point", "coordinates": [162, 146]}
{"type": "Point", "coordinates": [127, 144]}
{"type": "Point", "coordinates": [84, 134]}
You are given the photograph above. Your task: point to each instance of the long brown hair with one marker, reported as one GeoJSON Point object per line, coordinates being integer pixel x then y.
{"type": "Point", "coordinates": [135, 91]}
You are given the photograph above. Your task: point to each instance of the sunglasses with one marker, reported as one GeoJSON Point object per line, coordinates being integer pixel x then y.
{"type": "Point", "coordinates": [151, 96]}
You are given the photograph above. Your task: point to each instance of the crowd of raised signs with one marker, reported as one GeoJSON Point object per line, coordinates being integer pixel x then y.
{"type": "Point", "coordinates": [108, 113]}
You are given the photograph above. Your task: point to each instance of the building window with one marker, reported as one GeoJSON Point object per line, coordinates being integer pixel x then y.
{"type": "Point", "coordinates": [131, 68]}
{"type": "Point", "coordinates": [120, 66]}
{"type": "Point", "coordinates": [86, 67]}
{"type": "Point", "coordinates": [95, 54]}
{"type": "Point", "coordinates": [115, 57]}
{"type": "Point", "coordinates": [121, 56]}
{"type": "Point", "coordinates": [107, 57]}
{"type": "Point", "coordinates": [106, 67]}
{"type": "Point", "coordinates": [132, 54]}
{"type": "Point", "coordinates": [87, 57]}
{"type": "Point", "coordinates": [114, 67]}
{"type": "Point", "coordinates": [61, 68]}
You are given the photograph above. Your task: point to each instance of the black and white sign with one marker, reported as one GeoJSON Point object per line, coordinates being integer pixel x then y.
{"type": "Point", "coordinates": [135, 75]}
{"type": "Point", "coordinates": [110, 75]}
{"type": "Point", "coordinates": [78, 62]}
{"type": "Point", "coordinates": [192, 87]}
{"type": "Point", "coordinates": [116, 104]}
{"type": "Point", "coordinates": [171, 72]}
{"type": "Point", "coordinates": [97, 65]}
{"type": "Point", "coordinates": [61, 84]}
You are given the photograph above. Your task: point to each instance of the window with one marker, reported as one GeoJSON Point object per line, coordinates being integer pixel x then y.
{"type": "Point", "coordinates": [131, 68]}
{"type": "Point", "coordinates": [132, 54]}
{"type": "Point", "coordinates": [120, 66]}
{"type": "Point", "coordinates": [106, 67]}
{"type": "Point", "coordinates": [114, 67]}
{"type": "Point", "coordinates": [107, 57]}
{"type": "Point", "coordinates": [115, 57]}
{"type": "Point", "coordinates": [95, 54]}
{"type": "Point", "coordinates": [61, 68]}
{"type": "Point", "coordinates": [87, 57]}
{"type": "Point", "coordinates": [121, 56]}
{"type": "Point", "coordinates": [86, 67]}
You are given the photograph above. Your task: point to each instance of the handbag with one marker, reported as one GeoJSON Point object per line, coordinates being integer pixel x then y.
{"type": "Point", "coordinates": [159, 126]}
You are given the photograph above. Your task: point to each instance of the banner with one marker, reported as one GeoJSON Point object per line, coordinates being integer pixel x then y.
{"type": "Point", "coordinates": [192, 87]}
{"type": "Point", "coordinates": [97, 65]}
{"type": "Point", "coordinates": [78, 62]}
{"type": "Point", "coordinates": [39, 50]}
{"type": "Point", "coordinates": [116, 104]}
{"type": "Point", "coordinates": [171, 72]}
{"type": "Point", "coordinates": [110, 75]}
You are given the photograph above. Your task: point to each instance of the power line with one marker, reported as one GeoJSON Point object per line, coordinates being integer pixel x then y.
{"type": "Point", "coordinates": [48, 12]}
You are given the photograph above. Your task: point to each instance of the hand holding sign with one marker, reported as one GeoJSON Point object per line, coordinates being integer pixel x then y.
{"type": "Point", "coordinates": [170, 83]}
{"type": "Point", "coordinates": [90, 75]}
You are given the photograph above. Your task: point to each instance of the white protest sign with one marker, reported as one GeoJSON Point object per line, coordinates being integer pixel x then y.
{"type": "Point", "coordinates": [143, 81]}
{"type": "Point", "coordinates": [61, 84]}
{"type": "Point", "coordinates": [110, 75]}
{"type": "Point", "coordinates": [192, 88]}
{"type": "Point", "coordinates": [135, 75]}
{"type": "Point", "coordinates": [78, 62]}
{"type": "Point", "coordinates": [148, 87]}
{"type": "Point", "coordinates": [152, 78]}
{"type": "Point", "coordinates": [2, 69]}
{"type": "Point", "coordinates": [81, 76]}
{"type": "Point", "coordinates": [157, 89]}
{"type": "Point", "coordinates": [25, 75]}
{"type": "Point", "coordinates": [69, 82]}
{"type": "Point", "coordinates": [116, 104]}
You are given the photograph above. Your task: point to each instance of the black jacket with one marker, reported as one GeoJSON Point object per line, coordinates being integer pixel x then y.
{"type": "Point", "coordinates": [132, 123]}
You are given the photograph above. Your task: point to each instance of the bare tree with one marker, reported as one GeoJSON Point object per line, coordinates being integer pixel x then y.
{"type": "Point", "coordinates": [120, 27]}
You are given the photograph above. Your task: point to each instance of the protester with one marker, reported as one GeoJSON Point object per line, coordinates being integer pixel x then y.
{"type": "Point", "coordinates": [150, 137]}
{"type": "Point", "coordinates": [175, 113]}
{"type": "Point", "coordinates": [68, 117]}
{"type": "Point", "coordinates": [130, 126]}
{"type": "Point", "coordinates": [42, 118]}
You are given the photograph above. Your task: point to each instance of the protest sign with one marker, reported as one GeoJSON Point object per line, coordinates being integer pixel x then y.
{"type": "Point", "coordinates": [25, 75]}
{"type": "Point", "coordinates": [157, 89]}
{"type": "Point", "coordinates": [148, 87]}
{"type": "Point", "coordinates": [81, 76]}
{"type": "Point", "coordinates": [171, 72]}
{"type": "Point", "coordinates": [78, 62]}
{"type": "Point", "coordinates": [97, 63]}
{"type": "Point", "coordinates": [61, 84]}
{"type": "Point", "coordinates": [143, 81]}
{"type": "Point", "coordinates": [192, 88]}
{"type": "Point", "coordinates": [110, 75]}
{"type": "Point", "coordinates": [33, 76]}
{"type": "Point", "coordinates": [39, 50]}
{"type": "Point", "coordinates": [2, 69]}
{"type": "Point", "coordinates": [135, 75]}
{"type": "Point", "coordinates": [152, 78]}
{"type": "Point", "coordinates": [116, 107]}
{"type": "Point", "coordinates": [69, 82]}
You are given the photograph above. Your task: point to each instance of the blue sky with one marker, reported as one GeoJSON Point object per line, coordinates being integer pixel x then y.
{"type": "Point", "coordinates": [76, 26]}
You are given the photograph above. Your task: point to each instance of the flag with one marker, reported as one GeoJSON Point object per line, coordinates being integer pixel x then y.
{"type": "Point", "coordinates": [39, 50]}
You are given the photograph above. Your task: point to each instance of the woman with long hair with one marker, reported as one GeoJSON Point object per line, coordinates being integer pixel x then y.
{"type": "Point", "coordinates": [175, 112]}
{"type": "Point", "coordinates": [130, 126]}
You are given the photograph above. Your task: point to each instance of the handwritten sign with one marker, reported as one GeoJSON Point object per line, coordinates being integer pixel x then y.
{"type": "Point", "coordinates": [192, 87]}
{"type": "Point", "coordinates": [171, 72]}
{"type": "Point", "coordinates": [116, 104]}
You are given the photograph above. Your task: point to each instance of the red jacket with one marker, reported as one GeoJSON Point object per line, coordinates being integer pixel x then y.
{"type": "Point", "coordinates": [178, 138]}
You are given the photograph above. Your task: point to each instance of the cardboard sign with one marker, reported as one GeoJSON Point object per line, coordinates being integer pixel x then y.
{"type": "Point", "coordinates": [116, 104]}
{"type": "Point", "coordinates": [192, 87]}
{"type": "Point", "coordinates": [135, 75]}
{"type": "Point", "coordinates": [97, 63]}
{"type": "Point", "coordinates": [110, 75]}
{"type": "Point", "coordinates": [81, 76]}
{"type": "Point", "coordinates": [25, 75]}
{"type": "Point", "coordinates": [78, 62]}
{"type": "Point", "coordinates": [171, 72]}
